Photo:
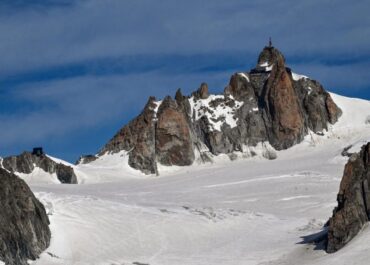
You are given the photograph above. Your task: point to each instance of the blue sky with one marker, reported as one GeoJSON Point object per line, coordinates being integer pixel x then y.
{"type": "Point", "coordinates": [73, 72]}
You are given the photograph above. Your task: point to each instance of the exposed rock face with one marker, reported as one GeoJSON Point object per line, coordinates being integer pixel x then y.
{"type": "Point", "coordinates": [353, 209]}
{"type": "Point", "coordinates": [24, 225]}
{"type": "Point", "coordinates": [269, 104]}
{"type": "Point", "coordinates": [138, 138]}
{"type": "Point", "coordinates": [173, 140]}
{"type": "Point", "coordinates": [26, 163]}
{"type": "Point", "coordinates": [280, 102]}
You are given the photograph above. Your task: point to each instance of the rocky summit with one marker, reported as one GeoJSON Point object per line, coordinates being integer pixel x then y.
{"type": "Point", "coordinates": [353, 209]}
{"type": "Point", "coordinates": [26, 162]}
{"type": "Point", "coordinates": [24, 225]}
{"type": "Point", "coordinates": [269, 104]}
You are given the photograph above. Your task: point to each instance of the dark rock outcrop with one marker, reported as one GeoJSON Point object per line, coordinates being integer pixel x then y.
{"type": "Point", "coordinates": [27, 162]}
{"type": "Point", "coordinates": [353, 209]}
{"type": "Point", "coordinates": [85, 159]}
{"type": "Point", "coordinates": [138, 138]}
{"type": "Point", "coordinates": [24, 225]}
{"type": "Point", "coordinates": [270, 104]}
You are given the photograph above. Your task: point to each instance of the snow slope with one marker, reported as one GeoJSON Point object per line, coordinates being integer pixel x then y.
{"type": "Point", "coordinates": [249, 211]}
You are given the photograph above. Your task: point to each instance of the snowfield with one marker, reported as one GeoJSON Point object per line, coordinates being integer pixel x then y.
{"type": "Point", "coordinates": [248, 211]}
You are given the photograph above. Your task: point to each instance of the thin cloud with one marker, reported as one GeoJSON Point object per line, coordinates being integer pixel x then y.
{"type": "Point", "coordinates": [77, 69]}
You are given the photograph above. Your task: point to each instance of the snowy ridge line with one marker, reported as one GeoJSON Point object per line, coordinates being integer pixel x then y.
{"type": "Point", "coordinates": [297, 77]}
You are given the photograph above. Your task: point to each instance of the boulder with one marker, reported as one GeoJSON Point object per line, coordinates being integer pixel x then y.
{"type": "Point", "coordinates": [24, 225]}
{"type": "Point", "coordinates": [353, 209]}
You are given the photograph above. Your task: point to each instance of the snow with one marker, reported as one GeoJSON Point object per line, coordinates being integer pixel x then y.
{"type": "Point", "coordinates": [267, 66]}
{"type": "Point", "coordinates": [60, 161]}
{"type": "Point", "coordinates": [39, 176]}
{"type": "Point", "coordinates": [109, 167]}
{"type": "Point", "coordinates": [297, 77]}
{"type": "Point", "coordinates": [309, 90]}
{"type": "Point", "coordinates": [246, 212]}
{"type": "Point", "coordinates": [217, 116]}
{"type": "Point", "coordinates": [1, 164]}
{"type": "Point", "coordinates": [356, 147]}
{"type": "Point", "coordinates": [157, 105]}
{"type": "Point", "coordinates": [244, 75]}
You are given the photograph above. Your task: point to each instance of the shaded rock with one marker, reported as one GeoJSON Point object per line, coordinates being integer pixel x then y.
{"type": "Point", "coordinates": [203, 91]}
{"type": "Point", "coordinates": [183, 103]}
{"type": "Point", "coordinates": [280, 103]}
{"type": "Point", "coordinates": [239, 87]}
{"type": "Point", "coordinates": [346, 152]}
{"type": "Point", "coordinates": [24, 225]}
{"type": "Point", "coordinates": [27, 162]}
{"type": "Point", "coordinates": [316, 104]}
{"type": "Point", "coordinates": [138, 139]}
{"type": "Point", "coordinates": [353, 209]}
{"type": "Point", "coordinates": [333, 111]}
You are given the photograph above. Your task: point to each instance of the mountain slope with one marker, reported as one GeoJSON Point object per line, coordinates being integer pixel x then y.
{"type": "Point", "coordinates": [253, 211]}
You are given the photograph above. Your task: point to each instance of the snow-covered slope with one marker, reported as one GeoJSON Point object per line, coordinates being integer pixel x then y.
{"type": "Point", "coordinates": [248, 211]}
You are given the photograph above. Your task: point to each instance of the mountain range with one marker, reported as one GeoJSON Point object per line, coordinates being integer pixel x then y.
{"type": "Point", "coordinates": [250, 176]}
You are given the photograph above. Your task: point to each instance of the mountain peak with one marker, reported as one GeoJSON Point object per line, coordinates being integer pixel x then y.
{"type": "Point", "coordinates": [269, 106]}
{"type": "Point", "coordinates": [270, 56]}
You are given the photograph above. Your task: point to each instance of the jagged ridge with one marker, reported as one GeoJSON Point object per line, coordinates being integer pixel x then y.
{"type": "Point", "coordinates": [27, 162]}
{"type": "Point", "coordinates": [268, 104]}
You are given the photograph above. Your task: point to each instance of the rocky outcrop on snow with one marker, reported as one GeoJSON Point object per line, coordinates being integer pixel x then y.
{"type": "Point", "coordinates": [24, 225]}
{"type": "Point", "coordinates": [353, 209]}
{"type": "Point", "coordinates": [270, 104]}
{"type": "Point", "coordinates": [26, 162]}
{"type": "Point", "coordinates": [85, 159]}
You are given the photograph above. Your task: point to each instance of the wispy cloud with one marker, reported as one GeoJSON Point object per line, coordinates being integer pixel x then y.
{"type": "Point", "coordinates": [99, 29]}
{"type": "Point", "coordinates": [76, 68]}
